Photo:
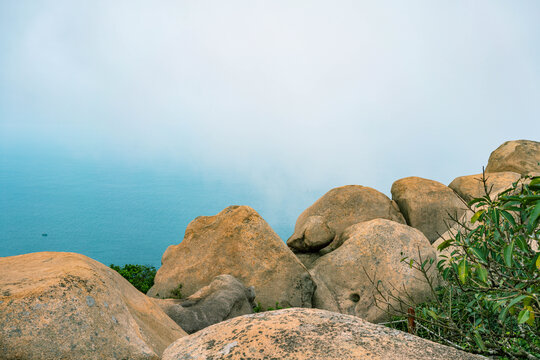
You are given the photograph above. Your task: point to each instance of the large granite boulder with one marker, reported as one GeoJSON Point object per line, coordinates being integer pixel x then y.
{"type": "Point", "coordinates": [519, 156]}
{"type": "Point", "coordinates": [348, 277]}
{"type": "Point", "coordinates": [224, 298]}
{"type": "Point", "coordinates": [237, 242]}
{"type": "Point", "coordinates": [325, 220]}
{"type": "Point", "coordinates": [305, 334]}
{"type": "Point", "coordinates": [68, 306]}
{"type": "Point", "coordinates": [427, 205]}
{"type": "Point", "coordinates": [471, 186]}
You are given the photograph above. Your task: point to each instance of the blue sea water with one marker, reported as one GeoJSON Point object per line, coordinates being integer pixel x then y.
{"type": "Point", "coordinates": [109, 211]}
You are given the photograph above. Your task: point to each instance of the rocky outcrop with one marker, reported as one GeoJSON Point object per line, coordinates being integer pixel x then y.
{"type": "Point", "coordinates": [237, 242]}
{"type": "Point", "coordinates": [325, 220]}
{"type": "Point", "coordinates": [348, 278]}
{"type": "Point", "coordinates": [302, 334]}
{"type": "Point", "coordinates": [427, 205]}
{"type": "Point", "coordinates": [519, 156]}
{"type": "Point", "coordinates": [471, 186]}
{"type": "Point", "coordinates": [224, 298]}
{"type": "Point", "coordinates": [68, 306]}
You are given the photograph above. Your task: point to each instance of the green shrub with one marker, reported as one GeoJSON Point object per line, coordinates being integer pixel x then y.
{"type": "Point", "coordinates": [490, 299]}
{"type": "Point", "coordinates": [176, 293]}
{"type": "Point", "coordinates": [258, 308]}
{"type": "Point", "coordinates": [140, 276]}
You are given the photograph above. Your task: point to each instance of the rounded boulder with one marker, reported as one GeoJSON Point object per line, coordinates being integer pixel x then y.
{"type": "Point", "coordinates": [68, 306]}
{"type": "Point", "coordinates": [365, 275]}
{"type": "Point", "coordinates": [427, 205]}
{"type": "Point", "coordinates": [339, 208]}
{"type": "Point", "coordinates": [236, 242]}
{"type": "Point", "coordinates": [519, 156]}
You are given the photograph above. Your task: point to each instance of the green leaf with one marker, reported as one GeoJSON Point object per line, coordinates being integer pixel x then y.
{"type": "Point", "coordinates": [537, 263]}
{"type": "Point", "coordinates": [522, 243]}
{"type": "Point", "coordinates": [474, 201]}
{"type": "Point", "coordinates": [535, 181]}
{"type": "Point", "coordinates": [462, 271]}
{"type": "Point", "coordinates": [508, 217]}
{"type": "Point", "coordinates": [479, 253]}
{"type": "Point", "coordinates": [481, 273]}
{"type": "Point", "coordinates": [514, 301]}
{"type": "Point", "coordinates": [476, 216]}
{"type": "Point", "coordinates": [523, 316]}
{"type": "Point", "coordinates": [432, 314]}
{"type": "Point", "coordinates": [531, 315]}
{"type": "Point", "coordinates": [479, 341]}
{"type": "Point", "coordinates": [532, 221]}
{"type": "Point", "coordinates": [508, 250]}
{"type": "Point", "coordinates": [444, 244]}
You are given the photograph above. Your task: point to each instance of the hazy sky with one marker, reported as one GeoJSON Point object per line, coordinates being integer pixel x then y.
{"type": "Point", "coordinates": [287, 95]}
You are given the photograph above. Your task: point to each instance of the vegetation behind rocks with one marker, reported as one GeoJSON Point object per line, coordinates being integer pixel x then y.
{"type": "Point", "coordinates": [489, 301]}
{"type": "Point", "coordinates": [140, 276]}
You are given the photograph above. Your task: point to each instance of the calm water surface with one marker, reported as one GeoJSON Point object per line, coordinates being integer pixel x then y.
{"type": "Point", "coordinates": [114, 214]}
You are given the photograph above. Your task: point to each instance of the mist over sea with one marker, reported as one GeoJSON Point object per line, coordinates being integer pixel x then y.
{"type": "Point", "coordinates": [112, 212]}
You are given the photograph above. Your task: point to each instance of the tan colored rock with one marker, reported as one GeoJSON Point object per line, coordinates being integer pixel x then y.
{"type": "Point", "coordinates": [426, 205]}
{"type": "Point", "coordinates": [68, 306]}
{"type": "Point", "coordinates": [306, 334]}
{"type": "Point", "coordinates": [520, 156]}
{"type": "Point", "coordinates": [237, 242]}
{"type": "Point", "coordinates": [371, 252]}
{"type": "Point", "coordinates": [336, 210]}
{"type": "Point", "coordinates": [471, 186]}
{"type": "Point", "coordinates": [224, 298]}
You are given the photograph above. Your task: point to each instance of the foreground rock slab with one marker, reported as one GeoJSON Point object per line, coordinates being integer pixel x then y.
{"type": "Point", "coordinates": [427, 205]}
{"type": "Point", "coordinates": [237, 242]}
{"type": "Point", "coordinates": [336, 210]}
{"type": "Point", "coordinates": [299, 334]}
{"type": "Point", "coordinates": [68, 306]}
{"type": "Point", "coordinates": [224, 298]}
{"type": "Point", "coordinates": [348, 278]}
{"type": "Point", "coordinates": [520, 156]}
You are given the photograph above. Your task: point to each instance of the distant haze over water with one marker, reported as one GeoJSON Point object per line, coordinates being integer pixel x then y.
{"type": "Point", "coordinates": [112, 213]}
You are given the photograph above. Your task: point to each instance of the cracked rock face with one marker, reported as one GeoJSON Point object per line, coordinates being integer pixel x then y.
{"type": "Point", "coordinates": [321, 224]}
{"type": "Point", "coordinates": [347, 278]}
{"type": "Point", "coordinates": [299, 334]}
{"type": "Point", "coordinates": [224, 298]}
{"type": "Point", "coordinates": [237, 242]}
{"type": "Point", "coordinates": [68, 306]}
{"type": "Point", "coordinates": [520, 156]}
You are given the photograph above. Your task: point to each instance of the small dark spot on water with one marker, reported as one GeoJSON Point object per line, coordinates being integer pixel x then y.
{"type": "Point", "coordinates": [44, 234]}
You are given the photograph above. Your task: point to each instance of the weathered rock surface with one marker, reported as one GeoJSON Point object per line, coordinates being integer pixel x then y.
{"type": "Point", "coordinates": [426, 204]}
{"type": "Point", "coordinates": [68, 306]}
{"type": "Point", "coordinates": [336, 210]}
{"type": "Point", "coordinates": [224, 298]}
{"type": "Point", "coordinates": [347, 277]}
{"type": "Point", "coordinates": [237, 242]}
{"type": "Point", "coordinates": [519, 156]}
{"type": "Point", "coordinates": [299, 334]}
{"type": "Point", "coordinates": [471, 186]}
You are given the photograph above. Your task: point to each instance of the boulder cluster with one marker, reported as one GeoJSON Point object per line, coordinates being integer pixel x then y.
{"type": "Point", "coordinates": [340, 273]}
